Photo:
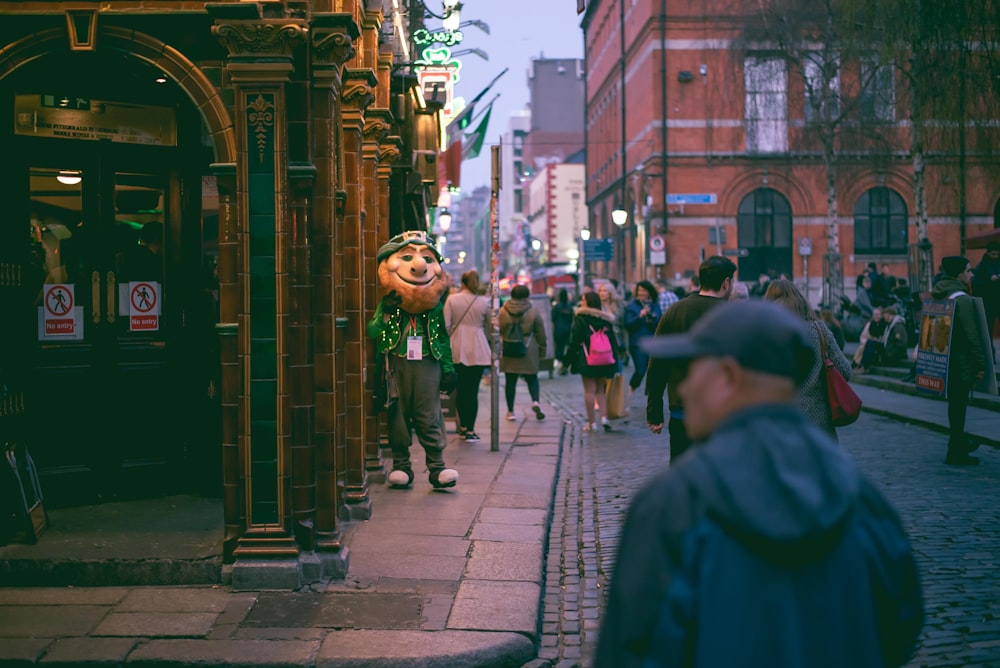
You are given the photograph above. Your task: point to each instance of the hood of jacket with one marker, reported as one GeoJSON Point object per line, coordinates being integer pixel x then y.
{"type": "Point", "coordinates": [776, 482]}
{"type": "Point", "coordinates": [948, 286]}
{"type": "Point", "coordinates": [595, 313]}
{"type": "Point", "coordinates": [517, 306]}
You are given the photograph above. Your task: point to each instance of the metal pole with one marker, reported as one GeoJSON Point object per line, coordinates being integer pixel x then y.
{"type": "Point", "coordinates": [581, 270]}
{"type": "Point", "coordinates": [495, 290]}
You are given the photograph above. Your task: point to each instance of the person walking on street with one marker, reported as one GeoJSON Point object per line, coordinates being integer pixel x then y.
{"type": "Point", "coordinates": [612, 304]}
{"type": "Point", "coordinates": [765, 546]}
{"type": "Point", "coordinates": [813, 399]}
{"type": "Point", "coordinates": [641, 317]}
{"type": "Point", "coordinates": [715, 276]}
{"type": "Point", "coordinates": [562, 324]}
{"type": "Point", "coordinates": [519, 320]}
{"type": "Point", "coordinates": [590, 321]}
{"type": "Point", "coordinates": [986, 283]}
{"type": "Point", "coordinates": [467, 317]}
{"type": "Point", "coordinates": [966, 359]}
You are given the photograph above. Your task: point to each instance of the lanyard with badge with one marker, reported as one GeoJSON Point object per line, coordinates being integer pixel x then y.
{"type": "Point", "coordinates": [414, 343]}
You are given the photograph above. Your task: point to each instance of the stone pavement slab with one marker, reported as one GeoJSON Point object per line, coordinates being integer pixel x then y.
{"type": "Point", "coordinates": [488, 605]}
{"type": "Point", "coordinates": [403, 649]}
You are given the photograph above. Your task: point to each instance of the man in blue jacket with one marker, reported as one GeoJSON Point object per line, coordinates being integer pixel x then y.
{"type": "Point", "coordinates": [763, 546]}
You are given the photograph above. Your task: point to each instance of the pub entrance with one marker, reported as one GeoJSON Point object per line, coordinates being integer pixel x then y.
{"type": "Point", "coordinates": [116, 309]}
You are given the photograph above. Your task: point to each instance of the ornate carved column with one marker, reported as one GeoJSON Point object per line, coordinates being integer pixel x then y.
{"type": "Point", "coordinates": [259, 66]}
{"type": "Point", "coordinates": [332, 38]}
{"type": "Point", "coordinates": [230, 304]}
{"type": "Point", "coordinates": [377, 125]}
{"type": "Point", "coordinates": [358, 94]}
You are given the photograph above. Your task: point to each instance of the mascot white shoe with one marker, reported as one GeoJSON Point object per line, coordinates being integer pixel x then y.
{"type": "Point", "coordinates": [414, 355]}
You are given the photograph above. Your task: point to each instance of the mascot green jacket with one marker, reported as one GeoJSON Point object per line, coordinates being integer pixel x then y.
{"type": "Point", "coordinates": [413, 354]}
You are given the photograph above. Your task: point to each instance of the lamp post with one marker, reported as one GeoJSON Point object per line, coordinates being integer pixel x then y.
{"type": "Point", "coordinates": [444, 220]}
{"type": "Point", "coordinates": [582, 269]}
{"type": "Point", "coordinates": [619, 217]}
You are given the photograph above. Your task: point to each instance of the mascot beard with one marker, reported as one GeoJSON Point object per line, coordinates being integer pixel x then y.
{"type": "Point", "coordinates": [415, 274]}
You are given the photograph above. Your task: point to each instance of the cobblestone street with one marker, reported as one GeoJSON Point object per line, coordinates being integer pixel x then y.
{"type": "Point", "coordinates": [952, 515]}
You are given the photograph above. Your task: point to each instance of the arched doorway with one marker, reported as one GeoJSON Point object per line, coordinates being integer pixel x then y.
{"type": "Point", "coordinates": [764, 231]}
{"type": "Point", "coordinates": [98, 162]}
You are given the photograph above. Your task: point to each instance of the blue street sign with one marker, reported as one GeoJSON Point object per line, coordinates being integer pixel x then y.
{"type": "Point", "coordinates": [598, 250]}
{"type": "Point", "coordinates": [691, 198]}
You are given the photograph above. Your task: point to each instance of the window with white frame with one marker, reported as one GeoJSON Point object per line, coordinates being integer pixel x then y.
{"type": "Point", "coordinates": [878, 93]}
{"type": "Point", "coordinates": [765, 81]}
{"type": "Point", "coordinates": [822, 88]}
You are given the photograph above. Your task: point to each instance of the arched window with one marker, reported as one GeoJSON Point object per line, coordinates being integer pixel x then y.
{"type": "Point", "coordinates": [880, 223]}
{"type": "Point", "coordinates": [764, 233]}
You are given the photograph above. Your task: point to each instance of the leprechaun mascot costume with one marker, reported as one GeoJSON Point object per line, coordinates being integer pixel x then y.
{"type": "Point", "coordinates": [414, 350]}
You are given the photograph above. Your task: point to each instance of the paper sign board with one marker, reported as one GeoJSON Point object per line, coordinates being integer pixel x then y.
{"type": "Point", "coordinates": [57, 315]}
{"type": "Point", "coordinates": [144, 306]}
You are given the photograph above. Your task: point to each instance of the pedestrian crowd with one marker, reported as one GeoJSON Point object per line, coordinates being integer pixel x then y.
{"type": "Point", "coordinates": [761, 544]}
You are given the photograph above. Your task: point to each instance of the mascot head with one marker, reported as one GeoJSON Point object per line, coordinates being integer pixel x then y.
{"type": "Point", "coordinates": [411, 265]}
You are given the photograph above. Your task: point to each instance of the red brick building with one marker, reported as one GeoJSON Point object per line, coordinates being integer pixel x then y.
{"type": "Point", "coordinates": [707, 139]}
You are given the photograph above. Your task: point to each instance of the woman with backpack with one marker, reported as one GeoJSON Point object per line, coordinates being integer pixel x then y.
{"type": "Point", "coordinates": [592, 353]}
{"type": "Point", "coordinates": [523, 343]}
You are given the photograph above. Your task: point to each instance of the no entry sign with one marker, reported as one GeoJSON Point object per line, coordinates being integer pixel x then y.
{"type": "Point", "coordinates": [144, 306]}
{"type": "Point", "coordinates": [58, 314]}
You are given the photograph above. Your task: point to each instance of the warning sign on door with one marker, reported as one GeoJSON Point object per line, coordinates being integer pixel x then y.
{"type": "Point", "coordinates": [58, 314]}
{"type": "Point", "coordinates": [144, 306]}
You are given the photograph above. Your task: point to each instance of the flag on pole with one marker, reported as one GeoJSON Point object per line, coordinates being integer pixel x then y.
{"type": "Point", "coordinates": [464, 117]}
{"type": "Point", "coordinates": [473, 141]}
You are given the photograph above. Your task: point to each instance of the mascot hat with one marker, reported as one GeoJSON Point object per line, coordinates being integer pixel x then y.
{"type": "Point", "coordinates": [414, 237]}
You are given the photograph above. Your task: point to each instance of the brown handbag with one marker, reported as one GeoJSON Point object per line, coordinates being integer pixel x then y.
{"type": "Point", "coordinates": [845, 404]}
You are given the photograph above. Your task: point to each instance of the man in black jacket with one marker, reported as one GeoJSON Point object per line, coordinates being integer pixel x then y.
{"type": "Point", "coordinates": [716, 277]}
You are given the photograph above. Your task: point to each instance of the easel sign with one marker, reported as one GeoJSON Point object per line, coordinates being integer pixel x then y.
{"type": "Point", "coordinates": [934, 346]}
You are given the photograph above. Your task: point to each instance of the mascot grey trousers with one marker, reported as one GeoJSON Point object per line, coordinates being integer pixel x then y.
{"type": "Point", "coordinates": [417, 409]}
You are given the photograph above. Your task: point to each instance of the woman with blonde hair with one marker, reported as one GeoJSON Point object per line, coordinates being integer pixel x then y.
{"type": "Point", "coordinates": [467, 317]}
{"type": "Point", "coordinates": [812, 394]}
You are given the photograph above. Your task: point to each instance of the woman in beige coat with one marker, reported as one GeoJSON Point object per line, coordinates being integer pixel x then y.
{"type": "Point", "coordinates": [467, 317]}
{"type": "Point", "coordinates": [517, 312]}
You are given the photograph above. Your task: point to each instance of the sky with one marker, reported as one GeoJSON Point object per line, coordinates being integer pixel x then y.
{"type": "Point", "coordinates": [520, 30]}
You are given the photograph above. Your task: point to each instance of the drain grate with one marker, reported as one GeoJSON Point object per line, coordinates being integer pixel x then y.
{"type": "Point", "coordinates": [347, 610]}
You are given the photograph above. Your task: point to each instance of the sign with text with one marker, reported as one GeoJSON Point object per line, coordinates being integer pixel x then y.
{"type": "Point", "coordinates": [58, 310]}
{"type": "Point", "coordinates": [598, 250]}
{"type": "Point", "coordinates": [934, 346]}
{"type": "Point", "coordinates": [144, 306]}
{"type": "Point", "coordinates": [94, 120]}
{"type": "Point", "coordinates": [691, 198]}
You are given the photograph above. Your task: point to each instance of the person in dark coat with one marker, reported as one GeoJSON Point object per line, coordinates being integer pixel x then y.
{"type": "Point", "coordinates": [590, 317]}
{"type": "Point", "coordinates": [715, 277]}
{"type": "Point", "coordinates": [764, 546]}
{"type": "Point", "coordinates": [562, 324]}
{"type": "Point", "coordinates": [966, 358]}
{"type": "Point", "coordinates": [517, 312]}
{"type": "Point", "coordinates": [986, 283]}
{"type": "Point", "coordinates": [642, 314]}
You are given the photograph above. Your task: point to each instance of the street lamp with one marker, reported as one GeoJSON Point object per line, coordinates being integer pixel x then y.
{"type": "Point", "coordinates": [444, 220]}
{"type": "Point", "coordinates": [619, 217]}
{"type": "Point", "coordinates": [585, 234]}
{"type": "Point", "coordinates": [581, 269]}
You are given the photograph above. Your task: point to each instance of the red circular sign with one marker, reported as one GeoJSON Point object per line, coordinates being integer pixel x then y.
{"type": "Point", "coordinates": [58, 300]}
{"type": "Point", "coordinates": [143, 297]}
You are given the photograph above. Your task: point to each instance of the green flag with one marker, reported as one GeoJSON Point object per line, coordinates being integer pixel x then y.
{"type": "Point", "coordinates": [473, 142]}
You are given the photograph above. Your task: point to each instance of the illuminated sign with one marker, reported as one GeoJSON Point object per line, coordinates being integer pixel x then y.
{"type": "Point", "coordinates": [424, 37]}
